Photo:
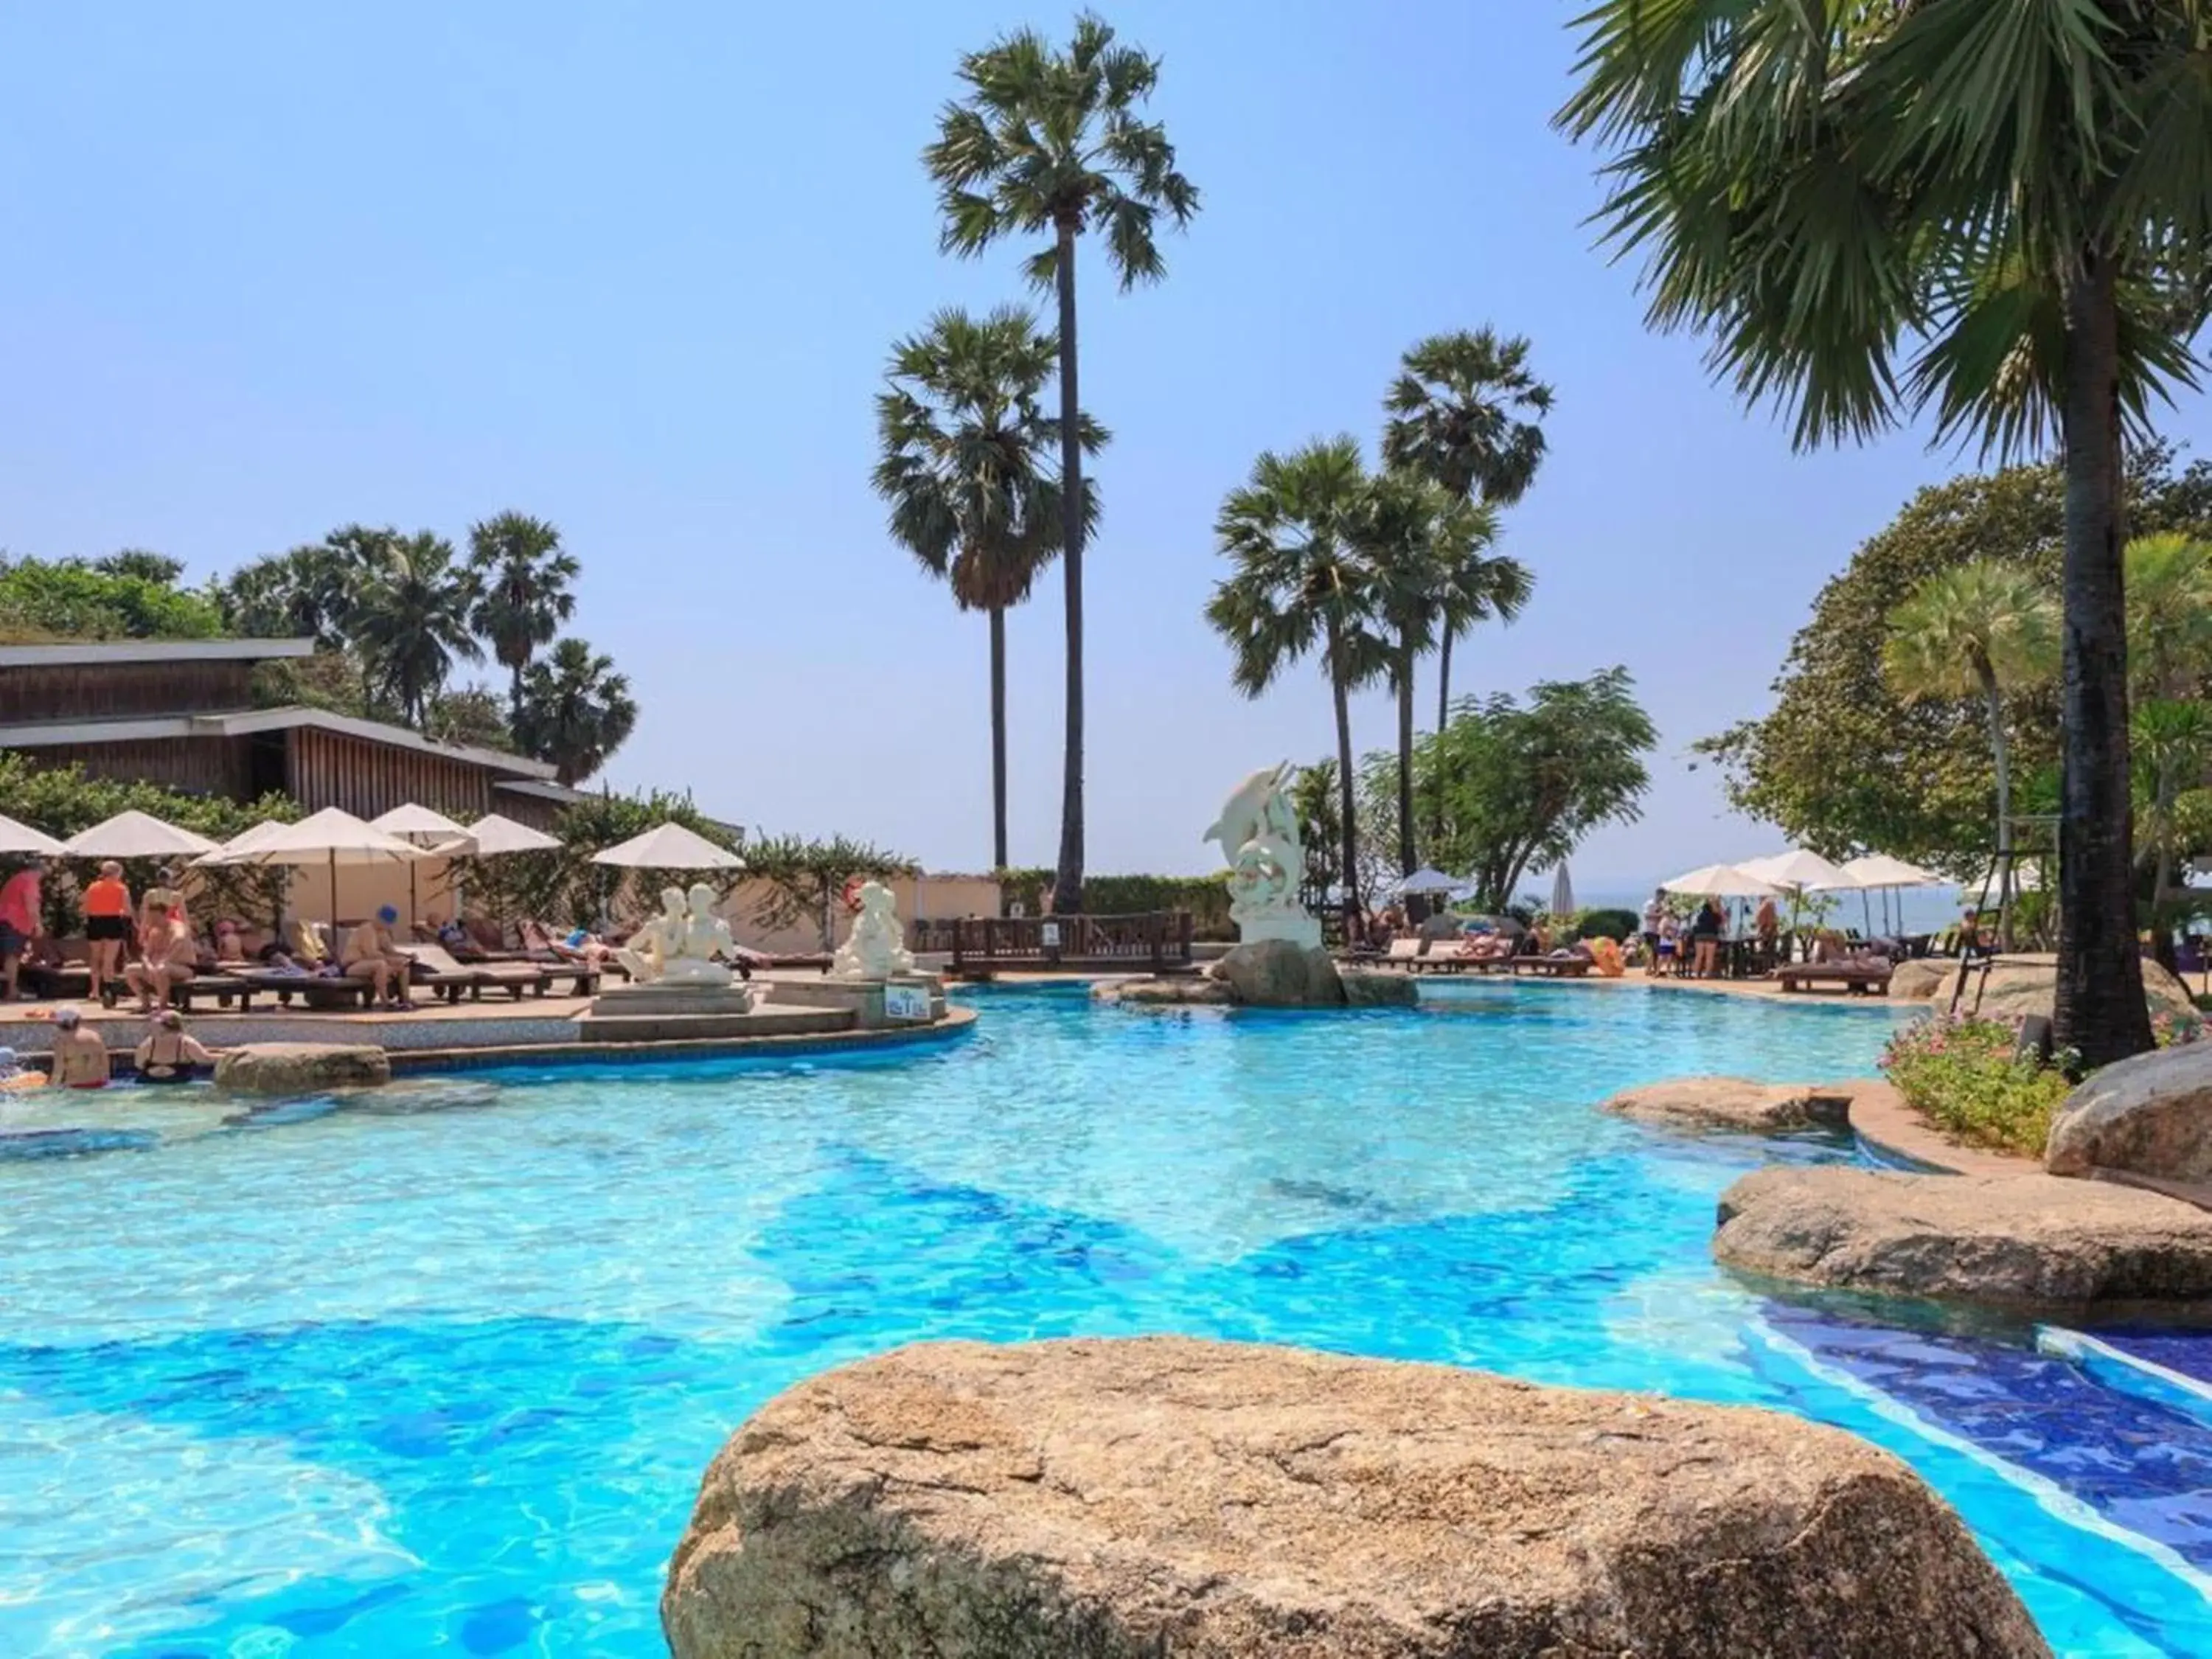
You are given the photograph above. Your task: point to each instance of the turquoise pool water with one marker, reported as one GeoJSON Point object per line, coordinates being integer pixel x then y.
{"type": "Point", "coordinates": [442, 1375]}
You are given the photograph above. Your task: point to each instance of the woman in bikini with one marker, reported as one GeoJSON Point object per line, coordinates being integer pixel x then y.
{"type": "Point", "coordinates": [169, 1053]}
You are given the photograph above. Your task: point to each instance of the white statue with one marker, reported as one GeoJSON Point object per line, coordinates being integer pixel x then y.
{"type": "Point", "coordinates": [1258, 830]}
{"type": "Point", "coordinates": [679, 945]}
{"type": "Point", "coordinates": [877, 946]}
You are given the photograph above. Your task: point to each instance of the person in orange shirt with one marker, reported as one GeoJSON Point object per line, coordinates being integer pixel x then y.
{"type": "Point", "coordinates": [107, 924]}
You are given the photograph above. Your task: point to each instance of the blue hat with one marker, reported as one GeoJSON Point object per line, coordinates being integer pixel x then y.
{"type": "Point", "coordinates": [387, 914]}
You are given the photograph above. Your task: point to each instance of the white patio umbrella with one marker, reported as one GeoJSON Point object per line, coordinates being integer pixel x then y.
{"type": "Point", "coordinates": [331, 837]}
{"type": "Point", "coordinates": [136, 834]}
{"type": "Point", "coordinates": [1878, 871]}
{"type": "Point", "coordinates": [491, 836]}
{"type": "Point", "coordinates": [1800, 868]}
{"type": "Point", "coordinates": [234, 850]}
{"type": "Point", "coordinates": [1562, 891]}
{"type": "Point", "coordinates": [21, 838]}
{"type": "Point", "coordinates": [1425, 881]}
{"type": "Point", "coordinates": [1719, 881]}
{"type": "Point", "coordinates": [668, 847]}
{"type": "Point", "coordinates": [421, 825]}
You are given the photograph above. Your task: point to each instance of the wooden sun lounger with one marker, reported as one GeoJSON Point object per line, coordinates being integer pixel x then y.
{"type": "Point", "coordinates": [220, 986]}
{"type": "Point", "coordinates": [322, 991]}
{"type": "Point", "coordinates": [1403, 953]}
{"type": "Point", "coordinates": [1858, 978]}
{"type": "Point", "coordinates": [1554, 966]}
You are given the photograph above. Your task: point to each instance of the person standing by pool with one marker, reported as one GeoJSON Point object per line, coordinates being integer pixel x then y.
{"type": "Point", "coordinates": [168, 1052]}
{"type": "Point", "coordinates": [1655, 919]}
{"type": "Point", "coordinates": [1706, 940]}
{"type": "Point", "coordinates": [107, 907]}
{"type": "Point", "coordinates": [1767, 926]}
{"type": "Point", "coordinates": [80, 1056]}
{"type": "Point", "coordinates": [20, 910]}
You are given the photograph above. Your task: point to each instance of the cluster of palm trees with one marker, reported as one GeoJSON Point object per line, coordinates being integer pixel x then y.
{"type": "Point", "coordinates": [401, 613]}
{"type": "Point", "coordinates": [984, 486]}
{"type": "Point", "coordinates": [1374, 571]}
{"type": "Point", "coordinates": [1988, 630]}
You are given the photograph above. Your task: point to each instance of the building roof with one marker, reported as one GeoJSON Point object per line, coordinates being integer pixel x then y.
{"type": "Point", "coordinates": [130, 651]}
{"type": "Point", "coordinates": [54, 733]}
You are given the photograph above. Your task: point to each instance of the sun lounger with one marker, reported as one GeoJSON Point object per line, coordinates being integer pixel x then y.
{"type": "Point", "coordinates": [222, 988]}
{"type": "Point", "coordinates": [1858, 978]}
{"type": "Point", "coordinates": [1403, 953]}
{"type": "Point", "coordinates": [320, 991]}
{"type": "Point", "coordinates": [436, 971]}
{"type": "Point", "coordinates": [1567, 967]}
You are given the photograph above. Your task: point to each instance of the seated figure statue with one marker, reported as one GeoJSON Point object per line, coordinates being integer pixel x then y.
{"type": "Point", "coordinates": [701, 944]}
{"type": "Point", "coordinates": [876, 948]}
{"type": "Point", "coordinates": [644, 955]}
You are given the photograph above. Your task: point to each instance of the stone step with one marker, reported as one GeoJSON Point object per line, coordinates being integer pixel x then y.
{"type": "Point", "coordinates": [677, 1028]}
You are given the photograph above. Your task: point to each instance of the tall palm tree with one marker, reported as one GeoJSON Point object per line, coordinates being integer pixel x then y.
{"type": "Point", "coordinates": [1997, 213]}
{"type": "Point", "coordinates": [1050, 142]}
{"type": "Point", "coordinates": [523, 591]}
{"type": "Point", "coordinates": [576, 711]}
{"type": "Point", "coordinates": [1466, 413]}
{"type": "Point", "coordinates": [969, 468]}
{"type": "Point", "coordinates": [1980, 630]}
{"type": "Point", "coordinates": [410, 620]}
{"type": "Point", "coordinates": [1301, 583]}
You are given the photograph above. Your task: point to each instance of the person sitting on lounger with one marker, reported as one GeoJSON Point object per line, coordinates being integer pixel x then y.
{"type": "Point", "coordinates": [168, 1052]}
{"type": "Point", "coordinates": [80, 1059]}
{"type": "Point", "coordinates": [166, 958]}
{"type": "Point", "coordinates": [373, 955]}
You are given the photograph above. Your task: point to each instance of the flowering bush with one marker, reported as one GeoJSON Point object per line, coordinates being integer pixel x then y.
{"type": "Point", "coordinates": [2171, 1029]}
{"type": "Point", "coordinates": [1967, 1076]}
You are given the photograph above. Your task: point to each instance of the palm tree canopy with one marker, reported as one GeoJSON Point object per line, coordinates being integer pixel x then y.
{"type": "Point", "coordinates": [1292, 531]}
{"type": "Point", "coordinates": [575, 710]}
{"type": "Point", "coordinates": [1045, 141]}
{"type": "Point", "coordinates": [523, 584]}
{"type": "Point", "coordinates": [1466, 412]}
{"type": "Point", "coordinates": [2169, 587]}
{"type": "Point", "coordinates": [411, 619]}
{"type": "Point", "coordinates": [1828, 188]}
{"type": "Point", "coordinates": [969, 455]}
{"type": "Point", "coordinates": [1985, 619]}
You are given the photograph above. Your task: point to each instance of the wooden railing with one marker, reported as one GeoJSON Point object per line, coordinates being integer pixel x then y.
{"type": "Point", "coordinates": [1158, 940]}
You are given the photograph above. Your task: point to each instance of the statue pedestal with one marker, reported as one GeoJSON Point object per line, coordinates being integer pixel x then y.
{"type": "Point", "coordinates": [661, 1001]}
{"type": "Point", "coordinates": [1302, 931]}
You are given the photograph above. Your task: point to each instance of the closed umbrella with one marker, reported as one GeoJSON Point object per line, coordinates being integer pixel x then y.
{"type": "Point", "coordinates": [136, 834]}
{"type": "Point", "coordinates": [21, 838]}
{"type": "Point", "coordinates": [1562, 891]}
{"type": "Point", "coordinates": [332, 836]}
{"type": "Point", "coordinates": [422, 825]}
{"type": "Point", "coordinates": [668, 847]}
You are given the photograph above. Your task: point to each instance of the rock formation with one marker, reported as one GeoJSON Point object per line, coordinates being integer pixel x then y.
{"type": "Point", "coordinates": [1735, 1103]}
{"type": "Point", "coordinates": [2150, 1115]}
{"type": "Point", "coordinates": [301, 1068]}
{"type": "Point", "coordinates": [2014, 1241]}
{"type": "Point", "coordinates": [1126, 1499]}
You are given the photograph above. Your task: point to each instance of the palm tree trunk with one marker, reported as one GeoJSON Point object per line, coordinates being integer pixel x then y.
{"type": "Point", "coordinates": [1406, 754]}
{"type": "Point", "coordinates": [1444, 718]}
{"type": "Point", "coordinates": [515, 699]}
{"type": "Point", "coordinates": [1068, 878]}
{"type": "Point", "coordinates": [1348, 798]}
{"type": "Point", "coordinates": [2099, 1011]}
{"type": "Point", "coordinates": [999, 737]}
{"type": "Point", "coordinates": [1997, 753]}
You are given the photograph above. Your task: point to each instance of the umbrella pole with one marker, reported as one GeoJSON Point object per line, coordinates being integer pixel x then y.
{"type": "Point", "coordinates": [334, 898]}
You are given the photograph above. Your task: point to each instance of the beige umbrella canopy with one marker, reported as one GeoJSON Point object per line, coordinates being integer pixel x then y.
{"type": "Point", "coordinates": [1800, 868]}
{"type": "Point", "coordinates": [668, 847]}
{"type": "Point", "coordinates": [16, 838]}
{"type": "Point", "coordinates": [331, 837]}
{"type": "Point", "coordinates": [422, 825]}
{"type": "Point", "coordinates": [136, 834]}
{"type": "Point", "coordinates": [1719, 881]}
{"type": "Point", "coordinates": [492, 837]}
{"type": "Point", "coordinates": [234, 850]}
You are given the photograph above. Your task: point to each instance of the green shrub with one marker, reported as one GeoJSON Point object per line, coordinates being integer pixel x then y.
{"type": "Point", "coordinates": [1207, 897]}
{"type": "Point", "coordinates": [1617, 925]}
{"type": "Point", "coordinates": [70, 599]}
{"type": "Point", "coordinates": [1966, 1076]}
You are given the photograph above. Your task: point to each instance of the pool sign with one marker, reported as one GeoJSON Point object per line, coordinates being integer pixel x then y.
{"type": "Point", "coordinates": [906, 1002]}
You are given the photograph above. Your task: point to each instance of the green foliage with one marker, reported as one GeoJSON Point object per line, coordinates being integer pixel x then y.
{"type": "Point", "coordinates": [1966, 1076]}
{"type": "Point", "coordinates": [575, 710]}
{"type": "Point", "coordinates": [1617, 925]}
{"type": "Point", "coordinates": [470, 715]}
{"type": "Point", "coordinates": [1843, 763]}
{"type": "Point", "coordinates": [410, 620]}
{"type": "Point", "coordinates": [1518, 785]}
{"type": "Point", "coordinates": [62, 800]}
{"type": "Point", "coordinates": [115, 599]}
{"type": "Point", "coordinates": [565, 886]}
{"type": "Point", "coordinates": [522, 583]}
{"type": "Point", "coordinates": [805, 878]}
{"type": "Point", "coordinates": [1972, 631]}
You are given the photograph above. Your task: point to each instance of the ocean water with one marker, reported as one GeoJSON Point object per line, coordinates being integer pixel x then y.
{"type": "Point", "coordinates": [439, 1371]}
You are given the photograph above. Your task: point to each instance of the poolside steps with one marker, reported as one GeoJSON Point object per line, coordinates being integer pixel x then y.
{"type": "Point", "coordinates": [767, 1022]}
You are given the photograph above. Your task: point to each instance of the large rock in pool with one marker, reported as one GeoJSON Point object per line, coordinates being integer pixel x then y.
{"type": "Point", "coordinates": [1735, 1103]}
{"type": "Point", "coordinates": [1126, 1499]}
{"type": "Point", "coordinates": [1373, 988]}
{"type": "Point", "coordinates": [1193, 992]}
{"type": "Point", "coordinates": [1273, 973]}
{"type": "Point", "coordinates": [2151, 1115]}
{"type": "Point", "coordinates": [301, 1068]}
{"type": "Point", "coordinates": [2014, 1241]}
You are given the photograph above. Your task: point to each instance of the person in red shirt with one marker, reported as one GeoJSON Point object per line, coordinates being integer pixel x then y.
{"type": "Point", "coordinates": [20, 901]}
{"type": "Point", "coordinates": [107, 924]}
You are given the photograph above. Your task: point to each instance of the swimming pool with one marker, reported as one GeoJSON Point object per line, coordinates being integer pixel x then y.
{"type": "Point", "coordinates": [444, 1372]}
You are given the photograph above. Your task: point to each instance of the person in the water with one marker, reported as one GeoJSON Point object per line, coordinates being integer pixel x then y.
{"type": "Point", "coordinates": [170, 1053]}
{"type": "Point", "coordinates": [80, 1059]}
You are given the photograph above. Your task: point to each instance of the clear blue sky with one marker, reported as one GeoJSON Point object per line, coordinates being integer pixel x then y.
{"type": "Point", "coordinates": [272, 268]}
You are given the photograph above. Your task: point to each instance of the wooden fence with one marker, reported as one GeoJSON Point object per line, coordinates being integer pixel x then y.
{"type": "Point", "coordinates": [1157, 940]}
